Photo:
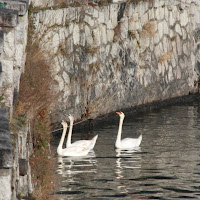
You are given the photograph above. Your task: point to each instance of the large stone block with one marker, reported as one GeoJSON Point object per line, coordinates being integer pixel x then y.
{"type": "Point", "coordinates": [23, 167]}
{"type": "Point", "coordinates": [43, 3]}
{"type": "Point", "coordinates": [160, 12]}
{"type": "Point", "coordinates": [8, 18]}
{"type": "Point", "coordinates": [184, 18]}
{"type": "Point", "coordinates": [1, 67]}
{"type": "Point", "coordinates": [5, 187]}
{"type": "Point", "coordinates": [20, 6]}
{"type": "Point", "coordinates": [196, 34]}
{"type": "Point", "coordinates": [5, 141]}
{"type": "Point", "coordinates": [1, 41]}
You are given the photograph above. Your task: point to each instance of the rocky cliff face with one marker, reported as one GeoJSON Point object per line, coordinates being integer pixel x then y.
{"type": "Point", "coordinates": [120, 55]}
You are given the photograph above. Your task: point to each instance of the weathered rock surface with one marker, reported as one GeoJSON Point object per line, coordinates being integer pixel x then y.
{"type": "Point", "coordinates": [6, 158]}
{"type": "Point", "coordinates": [15, 177]}
{"type": "Point", "coordinates": [13, 40]}
{"type": "Point", "coordinates": [120, 55]}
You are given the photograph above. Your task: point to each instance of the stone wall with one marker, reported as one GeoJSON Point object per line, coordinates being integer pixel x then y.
{"type": "Point", "coordinates": [15, 171]}
{"type": "Point", "coordinates": [13, 29]}
{"type": "Point", "coordinates": [22, 148]}
{"type": "Point", "coordinates": [6, 159]}
{"type": "Point", "coordinates": [119, 55]}
{"type": "Point", "coordinates": [15, 142]}
{"type": "Point", "coordinates": [15, 150]}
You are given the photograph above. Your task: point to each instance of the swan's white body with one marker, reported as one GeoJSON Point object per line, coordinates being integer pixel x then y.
{"type": "Point", "coordinates": [126, 143]}
{"type": "Point", "coordinates": [81, 143]}
{"type": "Point", "coordinates": [70, 151]}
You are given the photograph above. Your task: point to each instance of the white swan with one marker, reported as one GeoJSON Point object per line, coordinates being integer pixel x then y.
{"type": "Point", "coordinates": [70, 151]}
{"type": "Point", "coordinates": [126, 143]}
{"type": "Point", "coordinates": [82, 143]}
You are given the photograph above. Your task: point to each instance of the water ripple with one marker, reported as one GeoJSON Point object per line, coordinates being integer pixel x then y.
{"type": "Point", "coordinates": [179, 190]}
{"type": "Point", "coordinates": [165, 167]}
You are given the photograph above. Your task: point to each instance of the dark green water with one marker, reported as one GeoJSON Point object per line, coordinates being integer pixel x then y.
{"type": "Point", "coordinates": [166, 166]}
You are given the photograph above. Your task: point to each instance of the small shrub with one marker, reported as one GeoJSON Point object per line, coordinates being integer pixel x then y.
{"type": "Point", "coordinates": [173, 38]}
{"type": "Point", "coordinates": [131, 34]}
{"type": "Point", "coordinates": [61, 49]}
{"type": "Point", "coordinates": [17, 122]}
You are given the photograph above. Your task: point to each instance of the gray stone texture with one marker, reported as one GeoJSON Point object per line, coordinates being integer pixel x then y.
{"type": "Point", "coordinates": [17, 5]}
{"type": "Point", "coordinates": [5, 141]}
{"type": "Point", "coordinates": [8, 18]}
{"type": "Point", "coordinates": [121, 55]}
{"type": "Point", "coordinates": [13, 39]}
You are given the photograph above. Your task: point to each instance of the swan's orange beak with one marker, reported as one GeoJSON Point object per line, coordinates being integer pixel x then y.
{"type": "Point", "coordinates": [118, 113]}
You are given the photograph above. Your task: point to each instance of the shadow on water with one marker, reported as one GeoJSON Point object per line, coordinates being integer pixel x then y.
{"type": "Point", "coordinates": [166, 166]}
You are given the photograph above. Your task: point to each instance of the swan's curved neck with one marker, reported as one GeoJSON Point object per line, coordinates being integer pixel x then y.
{"type": "Point", "coordinates": [59, 149]}
{"type": "Point", "coordinates": [118, 140]}
{"type": "Point", "coordinates": [69, 137]}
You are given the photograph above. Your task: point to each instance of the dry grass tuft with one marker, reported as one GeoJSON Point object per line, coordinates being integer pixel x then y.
{"type": "Point", "coordinates": [117, 32]}
{"type": "Point", "coordinates": [165, 57]}
{"type": "Point", "coordinates": [35, 93]}
{"type": "Point", "coordinates": [148, 30]}
{"type": "Point", "coordinates": [41, 160]}
{"type": "Point", "coordinates": [132, 34]}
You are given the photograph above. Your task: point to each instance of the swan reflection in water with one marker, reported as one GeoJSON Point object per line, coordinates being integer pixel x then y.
{"type": "Point", "coordinates": [127, 159]}
{"type": "Point", "coordinates": [68, 166]}
{"type": "Point", "coordinates": [72, 171]}
{"type": "Point", "coordinates": [127, 162]}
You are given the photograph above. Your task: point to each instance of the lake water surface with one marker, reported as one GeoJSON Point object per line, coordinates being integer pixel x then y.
{"type": "Point", "coordinates": [166, 166]}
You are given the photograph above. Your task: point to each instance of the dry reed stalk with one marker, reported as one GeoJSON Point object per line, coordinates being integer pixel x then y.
{"type": "Point", "coordinates": [35, 92]}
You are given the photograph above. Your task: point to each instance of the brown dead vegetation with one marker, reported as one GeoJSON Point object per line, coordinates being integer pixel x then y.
{"type": "Point", "coordinates": [35, 93]}
{"type": "Point", "coordinates": [35, 99]}
{"type": "Point", "coordinates": [148, 30]}
{"type": "Point", "coordinates": [165, 57]}
{"type": "Point", "coordinates": [42, 161]}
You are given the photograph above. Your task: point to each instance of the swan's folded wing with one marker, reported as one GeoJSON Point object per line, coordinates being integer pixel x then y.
{"type": "Point", "coordinates": [81, 143]}
{"type": "Point", "coordinates": [130, 142]}
{"type": "Point", "coordinates": [75, 151]}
